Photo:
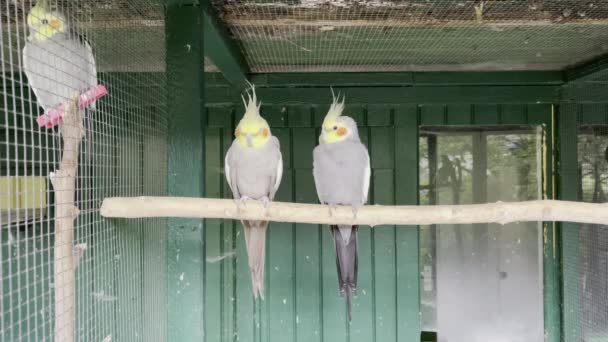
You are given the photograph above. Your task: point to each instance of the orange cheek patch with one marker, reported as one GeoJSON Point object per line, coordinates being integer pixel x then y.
{"type": "Point", "coordinates": [341, 131]}
{"type": "Point", "coordinates": [237, 132]}
{"type": "Point", "coordinates": [55, 23]}
{"type": "Point", "coordinates": [265, 132]}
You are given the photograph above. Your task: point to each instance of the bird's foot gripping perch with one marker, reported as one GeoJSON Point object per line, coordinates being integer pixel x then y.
{"type": "Point", "coordinates": [242, 202]}
{"type": "Point", "coordinates": [332, 208]}
{"type": "Point", "coordinates": [266, 203]}
{"type": "Point", "coordinates": [54, 116]}
{"type": "Point", "coordinates": [355, 209]}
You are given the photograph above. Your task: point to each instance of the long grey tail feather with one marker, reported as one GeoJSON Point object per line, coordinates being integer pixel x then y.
{"type": "Point", "coordinates": [255, 241]}
{"type": "Point", "coordinates": [346, 262]}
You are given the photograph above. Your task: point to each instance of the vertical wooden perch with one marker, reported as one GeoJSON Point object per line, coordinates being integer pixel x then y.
{"type": "Point", "coordinates": [64, 185]}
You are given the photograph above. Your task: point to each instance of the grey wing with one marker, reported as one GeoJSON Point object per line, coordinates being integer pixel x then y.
{"type": "Point", "coordinates": [32, 79]}
{"type": "Point", "coordinates": [278, 176]}
{"type": "Point", "coordinates": [230, 174]}
{"type": "Point", "coordinates": [57, 69]}
{"type": "Point", "coordinates": [315, 174]}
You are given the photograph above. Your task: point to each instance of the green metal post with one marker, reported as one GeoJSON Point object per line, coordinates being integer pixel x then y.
{"type": "Point", "coordinates": [185, 249]}
{"type": "Point", "coordinates": [406, 192]}
{"type": "Point", "coordinates": [568, 190]}
{"type": "Point", "coordinates": [551, 242]}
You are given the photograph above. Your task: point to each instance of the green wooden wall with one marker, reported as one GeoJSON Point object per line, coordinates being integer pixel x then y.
{"type": "Point", "coordinates": [302, 301]}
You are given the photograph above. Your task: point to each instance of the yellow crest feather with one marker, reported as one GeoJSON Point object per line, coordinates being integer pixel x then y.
{"type": "Point", "coordinates": [252, 107]}
{"type": "Point", "coordinates": [336, 107]}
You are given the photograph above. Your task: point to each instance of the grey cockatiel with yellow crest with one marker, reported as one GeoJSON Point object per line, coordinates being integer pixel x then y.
{"type": "Point", "coordinates": [253, 169]}
{"type": "Point", "coordinates": [56, 61]}
{"type": "Point", "coordinates": [342, 172]}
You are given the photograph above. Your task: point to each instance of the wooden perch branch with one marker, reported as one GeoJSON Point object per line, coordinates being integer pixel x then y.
{"type": "Point", "coordinates": [64, 185]}
{"type": "Point", "coordinates": [372, 215]}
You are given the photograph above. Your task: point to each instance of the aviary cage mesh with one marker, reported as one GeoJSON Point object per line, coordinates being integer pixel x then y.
{"type": "Point", "coordinates": [393, 35]}
{"type": "Point", "coordinates": [120, 277]}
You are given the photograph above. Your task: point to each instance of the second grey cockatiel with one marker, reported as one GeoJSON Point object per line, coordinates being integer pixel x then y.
{"type": "Point", "coordinates": [253, 168]}
{"type": "Point", "coordinates": [341, 170]}
{"type": "Point", "coordinates": [56, 62]}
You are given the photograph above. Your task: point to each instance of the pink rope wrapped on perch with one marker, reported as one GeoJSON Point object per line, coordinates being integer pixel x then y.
{"type": "Point", "coordinates": [53, 116]}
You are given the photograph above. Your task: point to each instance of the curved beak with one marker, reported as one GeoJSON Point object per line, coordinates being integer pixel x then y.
{"type": "Point", "coordinates": [249, 138]}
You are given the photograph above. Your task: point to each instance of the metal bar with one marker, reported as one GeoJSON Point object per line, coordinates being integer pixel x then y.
{"type": "Point", "coordinates": [222, 49]}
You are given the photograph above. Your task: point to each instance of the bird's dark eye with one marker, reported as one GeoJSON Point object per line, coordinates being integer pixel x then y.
{"type": "Point", "coordinates": [44, 21]}
{"type": "Point", "coordinates": [335, 128]}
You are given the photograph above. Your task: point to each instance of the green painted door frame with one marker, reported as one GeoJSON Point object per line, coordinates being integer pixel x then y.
{"type": "Point", "coordinates": [509, 115]}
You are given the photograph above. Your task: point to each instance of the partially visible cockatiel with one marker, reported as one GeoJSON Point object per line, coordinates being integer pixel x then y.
{"type": "Point", "coordinates": [342, 171]}
{"type": "Point", "coordinates": [56, 61]}
{"type": "Point", "coordinates": [253, 168]}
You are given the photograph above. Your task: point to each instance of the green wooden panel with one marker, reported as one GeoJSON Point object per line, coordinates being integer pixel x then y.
{"type": "Point", "coordinates": [129, 238]}
{"type": "Point", "coordinates": [459, 114]}
{"type": "Point", "coordinates": [213, 237]}
{"type": "Point", "coordinates": [528, 94]}
{"type": "Point", "coordinates": [382, 148]}
{"type": "Point", "coordinates": [384, 260]}
{"type": "Point", "coordinates": [432, 115]}
{"type": "Point", "coordinates": [27, 304]}
{"type": "Point", "coordinates": [378, 115]}
{"type": "Point", "coordinates": [356, 112]}
{"type": "Point", "coordinates": [513, 114]}
{"type": "Point", "coordinates": [335, 320]}
{"type": "Point", "coordinates": [304, 140]}
{"type": "Point", "coordinates": [219, 117]}
{"type": "Point", "coordinates": [280, 270]}
{"type": "Point", "coordinates": [154, 287]}
{"type": "Point", "coordinates": [539, 114]}
{"type": "Point", "coordinates": [274, 115]}
{"type": "Point", "coordinates": [103, 248]}
{"type": "Point", "coordinates": [406, 238]}
{"type": "Point", "coordinates": [593, 114]}
{"type": "Point", "coordinates": [363, 303]}
{"type": "Point", "coordinates": [307, 260]}
{"type": "Point", "coordinates": [299, 116]}
{"type": "Point", "coordinates": [486, 114]}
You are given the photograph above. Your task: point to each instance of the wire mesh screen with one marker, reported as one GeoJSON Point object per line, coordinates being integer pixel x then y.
{"type": "Point", "coordinates": [586, 268]}
{"type": "Point", "coordinates": [492, 272]}
{"type": "Point", "coordinates": [52, 51]}
{"type": "Point", "coordinates": [378, 35]}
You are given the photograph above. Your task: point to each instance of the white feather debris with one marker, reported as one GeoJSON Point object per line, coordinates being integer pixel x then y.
{"type": "Point", "coordinates": [215, 259]}
{"type": "Point", "coordinates": [79, 251]}
{"type": "Point", "coordinates": [101, 295]}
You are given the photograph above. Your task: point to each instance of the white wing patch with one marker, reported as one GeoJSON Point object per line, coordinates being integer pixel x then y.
{"type": "Point", "coordinates": [279, 174]}
{"type": "Point", "coordinates": [366, 178]}
{"type": "Point", "coordinates": [227, 170]}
